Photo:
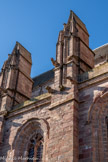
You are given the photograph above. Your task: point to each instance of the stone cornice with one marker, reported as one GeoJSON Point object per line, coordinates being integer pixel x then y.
{"type": "Point", "coordinates": [94, 80]}
{"type": "Point", "coordinates": [26, 109]}
{"type": "Point", "coordinates": [30, 104]}
{"type": "Point", "coordinates": [32, 101]}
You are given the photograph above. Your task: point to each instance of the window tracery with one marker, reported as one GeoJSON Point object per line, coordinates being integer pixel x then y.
{"type": "Point", "coordinates": [35, 149]}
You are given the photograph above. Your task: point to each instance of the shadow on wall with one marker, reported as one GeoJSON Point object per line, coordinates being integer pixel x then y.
{"type": "Point", "coordinates": [17, 136]}
{"type": "Point", "coordinates": [9, 131]}
{"type": "Point", "coordinates": [93, 109]}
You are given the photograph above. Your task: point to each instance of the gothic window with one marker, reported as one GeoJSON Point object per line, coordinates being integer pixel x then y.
{"type": "Point", "coordinates": [35, 149]}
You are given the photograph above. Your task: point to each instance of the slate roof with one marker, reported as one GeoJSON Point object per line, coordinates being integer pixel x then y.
{"type": "Point", "coordinates": [101, 51]}
{"type": "Point", "coordinates": [42, 78]}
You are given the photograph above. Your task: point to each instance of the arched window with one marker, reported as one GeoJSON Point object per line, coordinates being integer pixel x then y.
{"type": "Point", "coordinates": [35, 149]}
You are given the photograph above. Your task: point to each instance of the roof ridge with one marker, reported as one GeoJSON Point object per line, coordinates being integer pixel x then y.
{"type": "Point", "coordinates": [100, 46]}
{"type": "Point", "coordinates": [42, 73]}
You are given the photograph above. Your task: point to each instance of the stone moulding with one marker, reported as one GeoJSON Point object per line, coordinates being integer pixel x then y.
{"type": "Point", "coordinates": [97, 99]}
{"type": "Point", "coordinates": [41, 126]}
{"type": "Point", "coordinates": [30, 105]}
{"type": "Point", "coordinates": [96, 121]}
{"type": "Point", "coordinates": [95, 72]}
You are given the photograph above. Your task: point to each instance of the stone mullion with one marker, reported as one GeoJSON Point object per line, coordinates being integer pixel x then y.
{"type": "Point", "coordinates": [35, 153]}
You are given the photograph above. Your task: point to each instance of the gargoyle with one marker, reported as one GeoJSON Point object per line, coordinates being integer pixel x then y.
{"type": "Point", "coordinates": [3, 90]}
{"type": "Point", "coordinates": [55, 63]}
{"type": "Point", "coordinates": [62, 88]}
{"type": "Point", "coordinates": [49, 89]}
{"type": "Point", "coordinates": [70, 58]}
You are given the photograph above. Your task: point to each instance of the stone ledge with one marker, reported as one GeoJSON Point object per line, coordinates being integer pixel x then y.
{"type": "Point", "coordinates": [25, 109]}
{"type": "Point", "coordinates": [63, 101]}
{"type": "Point", "coordinates": [100, 70]}
{"type": "Point", "coordinates": [93, 81]}
{"type": "Point", "coordinates": [30, 102]}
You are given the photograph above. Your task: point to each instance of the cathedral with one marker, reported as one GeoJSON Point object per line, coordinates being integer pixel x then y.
{"type": "Point", "coordinates": [62, 114]}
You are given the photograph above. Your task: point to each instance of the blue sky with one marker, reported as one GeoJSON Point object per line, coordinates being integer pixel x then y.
{"type": "Point", "coordinates": [36, 24]}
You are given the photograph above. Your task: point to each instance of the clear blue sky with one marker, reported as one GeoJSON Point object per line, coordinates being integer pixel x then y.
{"type": "Point", "coordinates": [36, 24]}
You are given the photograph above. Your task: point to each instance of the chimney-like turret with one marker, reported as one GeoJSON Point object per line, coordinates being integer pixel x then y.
{"type": "Point", "coordinates": [73, 57]}
{"type": "Point", "coordinates": [72, 51]}
{"type": "Point", "coordinates": [15, 80]}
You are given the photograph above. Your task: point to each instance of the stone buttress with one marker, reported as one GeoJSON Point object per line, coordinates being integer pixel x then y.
{"type": "Point", "coordinates": [73, 57]}
{"type": "Point", "coordinates": [15, 81]}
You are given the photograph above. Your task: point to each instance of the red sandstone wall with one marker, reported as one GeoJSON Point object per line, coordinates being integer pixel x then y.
{"type": "Point", "coordinates": [58, 137]}
{"type": "Point", "coordinates": [88, 131]}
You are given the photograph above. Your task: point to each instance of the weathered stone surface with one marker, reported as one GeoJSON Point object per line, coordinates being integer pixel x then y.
{"type": "Point", "coordinates": [72, 119]}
